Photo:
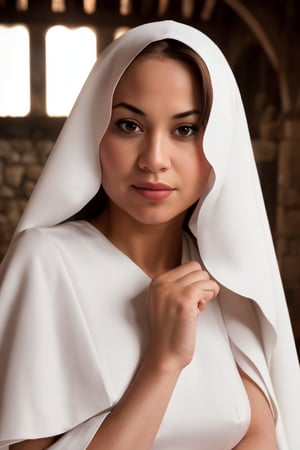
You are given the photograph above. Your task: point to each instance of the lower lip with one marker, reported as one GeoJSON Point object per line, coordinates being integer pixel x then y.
{"type": "Point", "coordinates": [154, 195]}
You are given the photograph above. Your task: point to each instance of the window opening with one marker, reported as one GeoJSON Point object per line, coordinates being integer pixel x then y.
{"type": "Point", "coordinates": [187, 8]}
{"type": "Point", "coordinates": [162, 7]}
{"type": "Point", "coordinates": [22, 5]}
{"type": "Point", "coordinates": [15, 71]}
{"type": "Point", "coordinates": [70, 55]}
{"type": "Point", "coordinates": [125, 7]}
{"type": "Point", "coordinates": [58, 6]}
{"type": "Point", "coordinates": [89, 6]}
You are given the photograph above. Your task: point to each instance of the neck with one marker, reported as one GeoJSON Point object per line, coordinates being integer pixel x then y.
{"type": "Point", "coordinates": [154, 248]}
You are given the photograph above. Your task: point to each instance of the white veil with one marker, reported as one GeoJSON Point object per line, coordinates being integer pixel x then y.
{"type": "Point", "coordinates": [231, 226]}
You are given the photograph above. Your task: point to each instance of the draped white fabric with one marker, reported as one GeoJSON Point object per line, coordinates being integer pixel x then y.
{"type": "Point", "coordinates": [232, 234]}
{"type": "Point", "coordinates": [86, 340]}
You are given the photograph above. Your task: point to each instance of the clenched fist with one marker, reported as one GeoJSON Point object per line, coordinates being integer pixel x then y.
{"type": "Point", "coordinates": [174, 301]}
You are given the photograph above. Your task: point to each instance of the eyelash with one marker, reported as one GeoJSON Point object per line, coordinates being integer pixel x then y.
{"type": "Point", "coordinates": [123, 123]}
{"type": "Point", "coordinates": [193, 129]}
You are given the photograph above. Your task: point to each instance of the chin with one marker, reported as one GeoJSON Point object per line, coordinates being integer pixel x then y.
{"type": "Point", "coordinates": [156, 220]}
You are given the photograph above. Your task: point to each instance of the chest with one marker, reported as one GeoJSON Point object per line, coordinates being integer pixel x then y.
{"type": "Point", "coordinates": [208, 405]}
{"type": "Point", "coordinates": [208, 409]}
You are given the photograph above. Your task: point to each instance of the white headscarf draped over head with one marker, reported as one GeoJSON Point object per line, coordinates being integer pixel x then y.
{"type": "Point", "coordinates": [230, 226]}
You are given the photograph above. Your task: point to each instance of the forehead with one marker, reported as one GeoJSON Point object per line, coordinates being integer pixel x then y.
{"type": "Point", "coordinates": [157, 75]}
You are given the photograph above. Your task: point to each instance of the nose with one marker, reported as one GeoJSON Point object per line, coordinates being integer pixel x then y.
{"type": "Point", "coordinates": [154, 154]}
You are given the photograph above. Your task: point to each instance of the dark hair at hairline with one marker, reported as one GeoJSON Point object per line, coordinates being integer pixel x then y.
{"type": "Point", "coordinates": [171, 48]}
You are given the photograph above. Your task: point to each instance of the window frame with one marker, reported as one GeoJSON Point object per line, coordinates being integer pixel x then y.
{"type": "Point", "coordinates": [38, 18]}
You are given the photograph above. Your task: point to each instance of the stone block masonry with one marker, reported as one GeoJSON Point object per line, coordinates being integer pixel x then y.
{"type": "Point", "coordinates": [21, 162]}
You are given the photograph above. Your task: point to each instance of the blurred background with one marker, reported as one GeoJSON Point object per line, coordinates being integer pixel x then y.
{"type": "Point", "coordinates": [48, 47]}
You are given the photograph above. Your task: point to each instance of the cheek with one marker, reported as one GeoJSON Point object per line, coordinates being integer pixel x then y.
{"type": "Point", "coordinates": [198, 169]}
{"type": "Point", "coordinates": [114, 166]}
{"type": "Point", "coordinates": [107, 156]}
{"type": "Point", "coordinates": [198, 177]}
{"type": "Point", "coordinates": [204, 168]}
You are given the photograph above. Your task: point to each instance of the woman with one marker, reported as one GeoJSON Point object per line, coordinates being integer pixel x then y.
{"type": "Point", "coordinates": [116, 333]}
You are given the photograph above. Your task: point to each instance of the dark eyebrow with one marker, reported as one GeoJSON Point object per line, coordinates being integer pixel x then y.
{"type": "Point", "coordinates": [130, 107]}
{"type": "Point", "coordinates": [186, 114]}
{"type": "Point", "coordinates": [141, 113]}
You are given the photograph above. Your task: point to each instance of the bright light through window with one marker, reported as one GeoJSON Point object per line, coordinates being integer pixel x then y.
{"type": "Point", "coordinates": [119, 31]}
{"type": "Point", "coordinates": [70, 54]}
{"type": "Point", "coordinates": [125, 7]}
{"type": "Point", "coordinates": [14, 73]}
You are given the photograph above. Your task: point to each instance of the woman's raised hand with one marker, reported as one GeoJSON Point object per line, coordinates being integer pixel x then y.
{"type": "Point", "coordinates": [174, 301]}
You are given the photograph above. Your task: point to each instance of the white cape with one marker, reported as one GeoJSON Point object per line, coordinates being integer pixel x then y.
{"type": "Point", "coordinates": [230, 225]}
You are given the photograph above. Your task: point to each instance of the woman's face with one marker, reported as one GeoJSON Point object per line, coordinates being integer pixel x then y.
{"type": "Point", "coordinates": [153, 166]}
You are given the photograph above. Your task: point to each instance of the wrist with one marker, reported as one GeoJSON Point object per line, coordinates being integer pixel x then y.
{"type": "Point", "coordinates": [162, 367]}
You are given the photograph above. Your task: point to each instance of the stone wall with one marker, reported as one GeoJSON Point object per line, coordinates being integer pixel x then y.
{"type": "Point", "coordinates": [21, 162]}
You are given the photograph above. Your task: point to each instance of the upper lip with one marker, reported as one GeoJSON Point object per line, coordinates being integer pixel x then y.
{"type": "Point", "coordinates": [154, 186]}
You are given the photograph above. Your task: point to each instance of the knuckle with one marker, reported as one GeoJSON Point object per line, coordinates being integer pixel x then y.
{"type": "Point", "coordinates": [195, 265]}
{"type": "Point", "coordinates": [216, 286]}
{"type": "Point", "coordinates": [205, 275]}
{"type": "Point", "coordinates": [158, 282]}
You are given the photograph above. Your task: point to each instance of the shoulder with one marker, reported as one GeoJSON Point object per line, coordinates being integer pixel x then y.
{"type": "Point", "coordinates": [38, 242]}
{"type": "Point", "coordinates": [35, 249]}
{"type": "Point", "coordinates": [38, 271]}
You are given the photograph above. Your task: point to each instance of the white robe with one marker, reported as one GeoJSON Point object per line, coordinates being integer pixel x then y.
{"type": "Point", "coordinates": [77, 330]}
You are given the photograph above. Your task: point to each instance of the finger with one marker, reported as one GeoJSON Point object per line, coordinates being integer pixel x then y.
{"type": "Point", "coordinates": [194, 277]}
{"type": "Point", "coordinates": [208, 296]}
{"type": "Point", "coordinates": [201, 305]}
{"type": "Point", "coordinates": [204, 290]}
{"type": "Point", "coordinates": [182, 270]}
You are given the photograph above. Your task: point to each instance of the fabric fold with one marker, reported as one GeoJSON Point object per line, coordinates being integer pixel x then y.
{"type": "Point", "coordinates": [50, 374]}
{"type": "Point", "coordinates": [81, 436]}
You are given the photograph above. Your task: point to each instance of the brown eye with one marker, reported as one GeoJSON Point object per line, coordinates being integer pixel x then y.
{"type": "Point", "coordinates": [128, 126]}
{"type": "Point", "coordinates": [186, 130]}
